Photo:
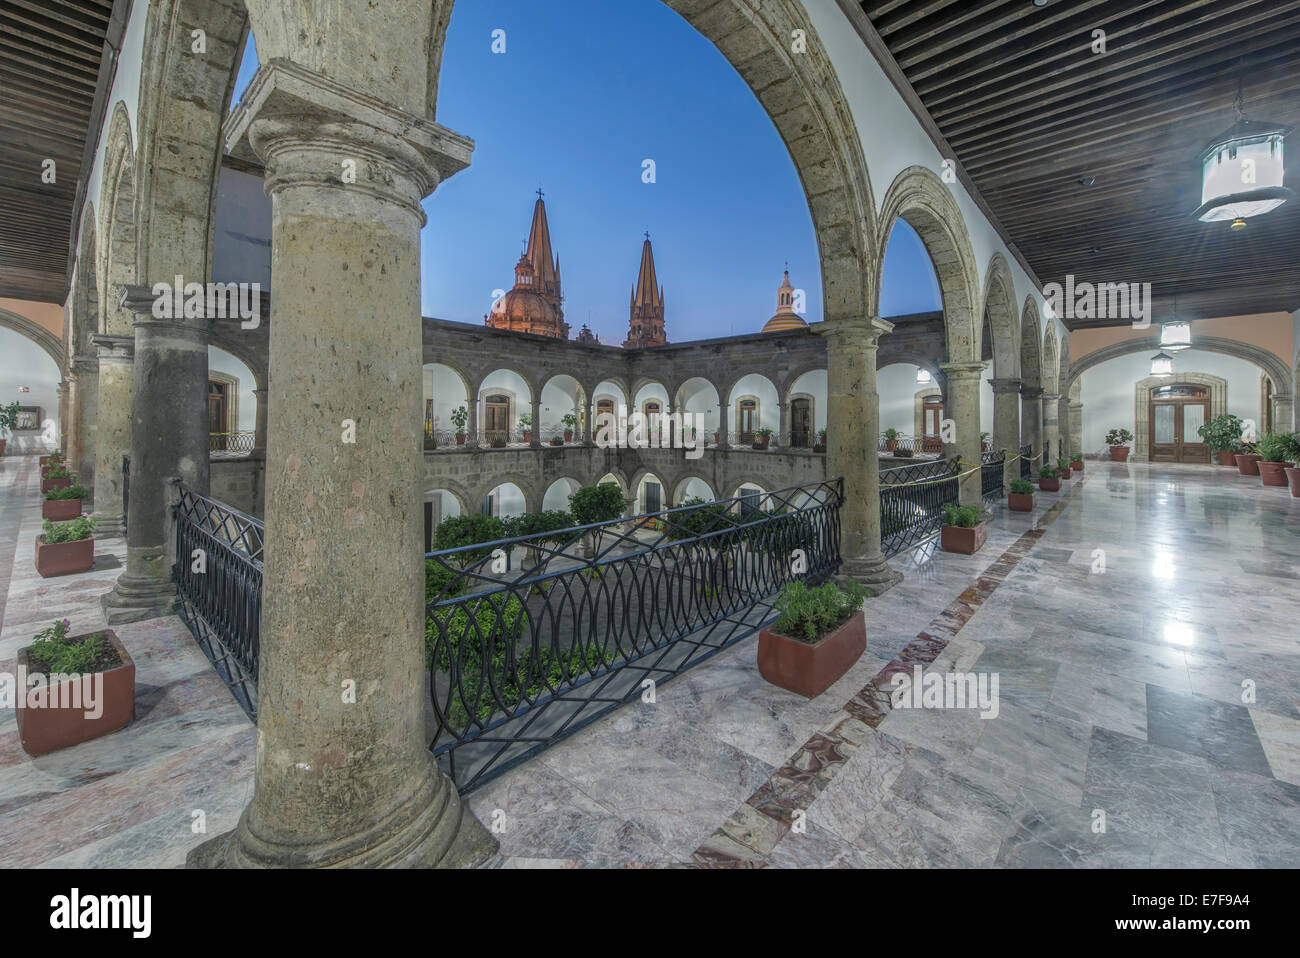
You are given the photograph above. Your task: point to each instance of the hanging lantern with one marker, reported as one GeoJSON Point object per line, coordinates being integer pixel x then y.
{"type": "Point", "coordinates": [1175, 336]}
{"type": "Point", "coordinates": [1162, 364]}
{"type": "Point", "coordinates": [923, 377]}
{"type": "Point", "coordinates": [1241, 172]}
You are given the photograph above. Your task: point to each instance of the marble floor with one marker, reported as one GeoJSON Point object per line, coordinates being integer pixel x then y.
{"type": "Point", "coordinates": [1141, 625]}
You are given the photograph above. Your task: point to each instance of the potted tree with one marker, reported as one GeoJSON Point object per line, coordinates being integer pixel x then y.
{"type": "Point", "coordinates": [1020, 497]}
{"type": "Point", "coordinates": [962, 529]}
{"type": "Point", "coordinates": [459, 417]}
{"type": "Point", "coordinates": [892, 436]}
{"type": "Point", "coordinates": [88, 692]}
{"type": "Point", "coordinates": [1063, 466]}
{"type": "Point", "coordinates": [1273, 449]}
{"type": "Point", "coordinates": [984, 442]}
{"type": "Point", "coordinates": [55, 476]}
{"type": "Point", "coordinates": [63, 504]}
{"type": "Point", "coordinates": [1118, 440]}
{"type": "Point", "coordinates": [8, 416]}
{"type": "Point", "coordinates": [818, 636]}
{"type": "Point", "coordinates": [526, 426]}
{"type": "Point", "coordinates": [1223, 435]}
{"type": "Point", "coordinates": [1049, 479]}
{"type": "Point", "coordinates": [66, 547]}
{"type": "Point", "coordinates": [570, 424]}
{"type": "Point", "coordinates": [820, 444]}
{"type": "Point", "coordinates": [1076, 462]}
{"type": "Point", "coordinates": [762, 437]}
{"type": "Point", "coordinates": [1247, 459]}
{"type": "Point", "coordinates": [1292, 473]}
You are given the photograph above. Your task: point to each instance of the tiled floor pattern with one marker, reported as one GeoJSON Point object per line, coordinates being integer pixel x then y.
{"type": "Point", "coordinates": [131, 798]}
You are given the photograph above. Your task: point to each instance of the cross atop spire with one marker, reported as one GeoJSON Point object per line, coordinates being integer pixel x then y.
{"type": "Point", "coordinates": [540, 194]}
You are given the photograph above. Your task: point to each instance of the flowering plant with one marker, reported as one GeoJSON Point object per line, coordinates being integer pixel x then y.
{"type": "Point", "coordinates": [74, 530]}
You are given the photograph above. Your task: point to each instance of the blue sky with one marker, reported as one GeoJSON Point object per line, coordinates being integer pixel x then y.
{"type": "Point", "coordinates": [581, 97]}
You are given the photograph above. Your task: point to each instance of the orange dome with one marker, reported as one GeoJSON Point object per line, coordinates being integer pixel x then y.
{"type": "Point", "coordinates": [525, 310]}
{"type": "Point", "coordinates": [786, 318]}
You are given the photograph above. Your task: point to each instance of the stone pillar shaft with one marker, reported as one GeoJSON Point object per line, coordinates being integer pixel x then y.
{"type": "Point", "coordinates": [259, 435]}
{"type": "Point", "coordinates": [1006, 424]}
{"type": "Point", "coordinates": [964, 409]}
{"type": "Point", "coordinates": [853, 422]}
{"type": "Point", "coordinates": [1076, 429]}
{"type": "Point", "coordinates": [60, 441]}
{"type": "Point", "coordinates": [1051, 427]}
{"type": "Point", "coordinates": [471, 425]}
{"type": "Point", "coordinates": [536, 413]}
{"type": "Point", "coordinates": [85, 405]}
{"type": "Point", "coordinates": [113, 430]}
{"type": "Point", "coordinates": [1031, 424]}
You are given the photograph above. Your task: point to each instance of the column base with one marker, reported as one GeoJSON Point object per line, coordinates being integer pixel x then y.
{"type": "Point", "coordinates": [111, 527]}
{"type": "Point", "coordinates": [135, 598]}
{"type": "Point", "coordinates": [872, 571]}
{"type": "Point", "coordinates": [441, 834]}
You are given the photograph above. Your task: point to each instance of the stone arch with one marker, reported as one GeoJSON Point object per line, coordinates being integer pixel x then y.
{"type": "Point", "coordinates": [999, 306]}
{"type": "Point", "coordinates": [1031, 346]}
{"type": "Point", "coordinates": [494, 479]}
{"type": "Point", "coordinates": [42, 337]}
{"type": "Point", "coordinates": [679, 487]}
{"type": "Point", "coordinates": [925, 203]}
{"type": "Point", "coordinates": [250, 356]}
{"type": "Point", "coordinates": [117, 239]}
{"type": "Point", "coordinates": [83, 319]}
{"type": "Point", "coordinates": [1217, 386]}
{"type": "Point", "coordinates": [1274, 366]}
{"type": "Point", "coordinates": [1051, 361]}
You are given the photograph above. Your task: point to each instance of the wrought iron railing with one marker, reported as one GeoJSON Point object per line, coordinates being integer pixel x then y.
{"type": "Point", "coordinates": [231, 441]}
{"type": "Point", "coordinates": [992, 471]}
{"type": "Point", "coordinates": [911, 502]}
{"type": "Point", "coordinates": [1026, 461]}
{"type": "Point", "coordinates": [908, 446]}
{"type": "Point", "coordinates": [218, 573]}
{"type": "Point", "coordinates": [595, 615]}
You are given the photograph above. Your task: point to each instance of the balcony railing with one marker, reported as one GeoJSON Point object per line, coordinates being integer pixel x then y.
{"type": "Point", "coordinates": [911, 503]}
{"type": "Point", "coordinates": [231, 442]}
{"type": "Point", "coordinates": [992, 473]}
{"type": "Point", "coordinates": [909, 446]}
{"type": "Point", "coordinates": [1026, 461]}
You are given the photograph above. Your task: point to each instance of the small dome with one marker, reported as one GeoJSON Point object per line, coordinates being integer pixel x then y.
{"type": "Point", "coordinates": [523, 308]}
{"type": "Point", "coordinates": [786, 318]}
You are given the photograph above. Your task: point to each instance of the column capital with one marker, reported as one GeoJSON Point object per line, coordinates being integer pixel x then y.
{"type": "Point", "coordinates": [307, 127]}
{"type": "Point", "coordinates": [260, 393]}
{"type": "Point", "coordinates": [85, 363]}
{"type": "Point", "coordinates": [853, 332]}
{"type": "Point", "coordinates": [114, 348]}
{"type": "Point", "coordinates": [1004, 386]}
{"type": "Point", "coordinates": [1031, 393]}
{"type": "Point", "coordinates": [1051, 397]}
{"type": "Point", "coordinates": [963, 370]}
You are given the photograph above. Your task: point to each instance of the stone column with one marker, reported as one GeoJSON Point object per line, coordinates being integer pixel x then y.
{"type": "Point", "coordinates": [724, 439]}
{"type": "Point", "coordinates": [169, 438]}
{"type": "Point", "coordinates": [342, 781]}
{"type": "Point", "coordinates": [852, 413]}
{"type": "Point", "coordinates": [85, 407]}
{"type": "Point", "coordinates": [1031, 424]}
{"type": "Point", "coordinates": [783, 434]}
{"type": "Point", "coordinates": [113, 430]}
{"type": "Point", "coordinates": [1076, 429]}
{"type": "Point", "coordinates": [259, 436]}
{"type": "Point", "coordinates": [963, 407]}
{"type": "Point", "coordinates": [1006, 424]}
{"type": "Point", "coordinates": [1051, 427]}
{"type": "Point", "coordinates": [471, 426]}
{"type": "Point", "coordinates": [1282, 414]}
{"type": "Point", "coordinates": [537, 419]}
{"type": "Point", "coordinates": [1063, 424]}
{"type": "Point", "coordinates": [60, 441]}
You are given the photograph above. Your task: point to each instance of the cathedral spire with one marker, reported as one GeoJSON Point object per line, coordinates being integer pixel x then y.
{"type": "Point", "coordinates": [539, 251]}
{"type": "Point", "coordinates": [646, 326]}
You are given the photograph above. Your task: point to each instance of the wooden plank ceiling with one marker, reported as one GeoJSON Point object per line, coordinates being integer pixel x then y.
{"type": "Point", "coordinates": [1032, 115]}
{"type": "Point", "coordinates": [50, 52]}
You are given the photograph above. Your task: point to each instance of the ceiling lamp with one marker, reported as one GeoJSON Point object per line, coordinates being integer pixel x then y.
{"type": "Point", "coordinates": [1241, 171]}
{"type": "Point", "coordinates": [923, 377]}
{"type": "Point", "coordinates": [1162, 364]}
{"type": "Point", "coordinates": [1175, 336]}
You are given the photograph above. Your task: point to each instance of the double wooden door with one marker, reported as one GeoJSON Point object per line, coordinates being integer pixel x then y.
{"type": "Point", "coordinates": [1176, 413]}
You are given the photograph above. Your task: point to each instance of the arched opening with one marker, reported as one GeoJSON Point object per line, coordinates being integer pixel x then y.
{"type": "Point", "coordinates": [563, 410]}
{"type": "Point", "coordinates": [755, 406]}
{"type": "Point", "coordinates": [446, 398]}
{"type": "Point", "coordinates": [232, 404]}
{"type": "Point", "coordinates": [698, 397]}
{"type": "Point", "coordinates": [503, 397]}
{"type": "Point", "coordinates": [504, 501]}
{"type": "Point", "coordinates": [807, 409]}
{"type": "Point", "coordinates": [557, 494]}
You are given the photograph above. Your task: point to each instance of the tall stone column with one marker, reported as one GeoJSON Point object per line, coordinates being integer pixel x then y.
{"type": "Point", "coordinates": [85, 406]}
{"type": "Point", "coordinates": [259, 434]}
{"type": "Point", "coordinates": [1282, 413]}
{"type": "Point", "coordinates": [342, 781]}
{"type": "Point", "coordinates": [113, 430]}
{"type": "Point", "coordinates": [536, 413]}
{"type": "Point", "coordinates": [1031, 424]}
{"type": "Point", "coordinates": [471, 425]}
{"type": "Point", "coordinates": [59, 440]}
{"type": "Point", "coordinates": [1006, 424]}
{"type": "Point", "coordinates": [1063, 423]}
{"type": "Point", "coordinates": [964, 409]}
{"type": "Point", "coordinates": [724, 437]}
{"type": "Point", "coordinates": [1076, 428]}
{"type": "Point", "coordinates": [1051, 427]}
{"type": "Point", "coordinates": [783, 434]}
{"type": "Point", "coordinates": [852, 422]}
{"type": "Point", "coordinates": [169, 438]}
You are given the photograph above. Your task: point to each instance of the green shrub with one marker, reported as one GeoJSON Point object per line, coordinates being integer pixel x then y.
{"type": "Point", "coordinates": [74, 530]}
{"type": "Point", "coordinates": [440, 582]}
{"type": "Point", "coordinates": [1118, 437]}
{"type": "Point", "coordinates": [473, 529]}
{"type": "Point", "coordinates": [1022, 487]}
{"type": "Point", "coordinates": [602, 503]}
{"type": "Point", "coordinates": [1275, 447]}
{"type": "Point", "coordinates": [53, 652]}
{"type": "Point", "coordinates": [1222, 432]}
{"type": "Point", "coordinates": [967, 517]}
{"type": "Point", "coordinates": [70, 492]}
{"type": "Point", "coordinates": [704, 517]}
{"type": "Point", "coordinates": [546, 528]}
{"type": "Point", "coordinates": [1063, 463]}
{"type": "Point", "coordinates": [459, 417]}
{"type": "Point", "coordinates": [891, 433]}
{"type": "Point", "coordinates": [55, 470]}
{"type": "Point", "coordinates": [807, 613]}
{"type": "Point", "coordinates": [1049, 472]}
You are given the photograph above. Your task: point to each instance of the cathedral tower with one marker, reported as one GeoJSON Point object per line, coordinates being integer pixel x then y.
{"type": "Point", "coordinates": [646, 327]}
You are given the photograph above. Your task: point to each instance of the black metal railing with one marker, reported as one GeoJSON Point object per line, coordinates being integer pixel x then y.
{"type": "Point", "coordinates": [908, 446]}
{"type": "Point", "coordinates": [218, 573]}
{"type": "Point", "coordinates": [1026, 461]}
{"type": "Point", "coordinates": [911, 502]}
{"type": "Point", "coordinates": [126, 487]}
{"type": "Point", "coordinates": [595, 615]}
{"type": "Point", "coordinates": [992, 473]}
{"type": "Point", "coordinates": [231, 441]}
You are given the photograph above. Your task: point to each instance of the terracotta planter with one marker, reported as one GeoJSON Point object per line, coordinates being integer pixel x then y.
{"type": "Point", "coordinates": [3, 443]}
{"type": "Point", "coordinates": [962, 540]}
{"type": "Point", "coordinates": [528, 437]}
{"type": "Point", "coordinates": [810, 669]}
{"type": "Point", "coordinates": [819, 447]}
{"type": "Point", "coordinates": [984, 447]}
{"type": "Point", "coordinates": [1076, 465]}
{"type": "Point", "coordinates": [430, 444]}
{"type": "Point", "coordinates": [1049, 485]}
{"type": "Point", "coordinates": [1065, 473]}
{"type": "Point", "coordinates": [64, 558]}
{"type": "Point", "coordinates": [1248, 464]}
{"type": "Point", "coordinates": [45, 730]}
{"type": "Point", "coordinates": [1226, 457]}
{"type": "Point", "coordinates": [762, 443]}
{"type": "Point", "coordinates": [498, 443]}
{"type": "Point", "coordinates": [568, 435]}
{"type": "Point", "coordinates": [1020, 501]}
{"type": "Point", "coordinates": [557, 441]}
{"type": "Point", "coordinates": [460, 439]}
{"type": "Point", "coordinates": [49, 484]}
{"type": "Point", "coordinates": [1293, 480]}
{"type": "Point", "coordinates": [60, 510]}
{"type": "Point", "coordinates": [1119, 453]}
{"type": "Point", "coordinates": [46, 460]}
{"type": "Point", "coordinates": [891, 445]}
{"type": "Point", "coordinates": [1271, 473]}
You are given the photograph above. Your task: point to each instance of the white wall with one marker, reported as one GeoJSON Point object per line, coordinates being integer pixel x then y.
{"type": "Point", "coordinates": [897, 387]}
{"type": "Point", "coordinates": [222, 362]}
{"type": "Point", "coordinates": [23, 363]}
{"type": "Point", "coordinates": [1107, 391]}
{"type": "Point", "coordinates": [445, 388]}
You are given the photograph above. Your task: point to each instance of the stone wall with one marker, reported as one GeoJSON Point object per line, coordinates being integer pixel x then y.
{"type": "Point", "coordinates": [240, 483]}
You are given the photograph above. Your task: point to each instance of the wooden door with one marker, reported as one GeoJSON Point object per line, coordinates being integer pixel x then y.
{"type": "Point", "coordinates": [217, 411]}
{"type": "Point", "coordinates": [497, 418]}
{"type": "Point", "coordinates": [1176, 412]}
{"type": "Point", "coordinates": [801, 423]}
{"type": "Point", "coordinates": [747, 420]}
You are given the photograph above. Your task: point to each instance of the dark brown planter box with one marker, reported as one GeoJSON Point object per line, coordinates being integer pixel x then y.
{"type": "Point", "coordinates": [1271, 473]}
{"type": "Point", "coordinates": [45, 730]}
{"type": "Point", "coordinates": [498, 443]}
{"type": "Point", "coordinates": [60, 510]}
{"type": "Point", "coordinates": [819, 447]}
{"type": "Point", "coordinates": [1293, 480]}
{"type": "Point", "coordinates": [3, 443]}
{"type": "Point", "coordinates": [1065, 473]}
{"type": "Point", "coordinates": [1020, 501]}
{"type": "Point", "coordinates": [810, 669]}
{"type": "Point", "coordinates": [460, 439]}
{"type": "Point", "coordinates": [762, 443]}
{"type": "Point", "coordinates": [44, 460]}
{"type": "Point", "coordinates": [49, 484]}
{"type": "Point", "coordinates": [1076, 465]}
{"type": "Point", "coordinates": [1119, 453]}
{"type": "Point", "coordinates": [1226, 457]}
{"type": "Point", "coordinates": [963, 540]}
{"type": "Point", "coordinates": [557, 441]}
{"type": "Point", "coordinates": [64, 558]}
{"type": "Point", "coordinates": [891, 445]}
{"type": "Point", "coordinates": [1248, 463]}
{"type": "Point", "coordinates": [1049, 485]}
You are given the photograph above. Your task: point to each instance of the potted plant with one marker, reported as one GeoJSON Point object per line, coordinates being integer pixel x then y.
{"type": "Point", "coordinates": [66, 547]}
{"type": "Point", "coordinates": [820, 444]}
{"type": "Point", "coordinates": [1076, 462]}
{"type": "Point", "coordinates": [762, 437]}
{"type": "Point", "coordinates": [8, 417]}
{"type": "Point", "coordinates": [55, 456]}
{"type": "Point", "coordinates": [459, 417]}
{"type": "Point", "coordinates": [1273, 449]}
{"type": "Point", "coordinates": [1118, 440]}
{"type": "Point", "coordinates": [1020, 497]}
{"type": "Point", "coordinates": [1049, 479]}
{"type": "Point", "coordinates": [557, 441]}
{"type": "Point", "coordinates": [55, 476]}
{"type": "Point", "coordinates": [818, 636]}
{"type": "Point", "coordinates": [570, 424]}
{"type": "Point", "coordinates": [891, 439]}
{"type": "Point", "coordinates": [94, 694]}
{"type": "Point", "coordinates": [1247, 459]}
{"type": "Point", "coordinates": [962, 530]}
{"type": "Point", "coordinates": [1063, 466]}
{"type": "Point", "coordinates": [904, 453]}
{"type": "Point", "coordinates": [984, 442]}
{"type": "Point", "coordinates": [526, 426]}
{"type": "Point", "coordinates": [1223, 435]}
{"type": "Point", "coordinates": [63, 504]}
{"type": "Point", "coordinates": [1292, 473]}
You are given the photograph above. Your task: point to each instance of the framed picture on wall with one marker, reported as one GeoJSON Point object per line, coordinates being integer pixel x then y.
{"type": "Point", "coordinates": [29, 417]}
